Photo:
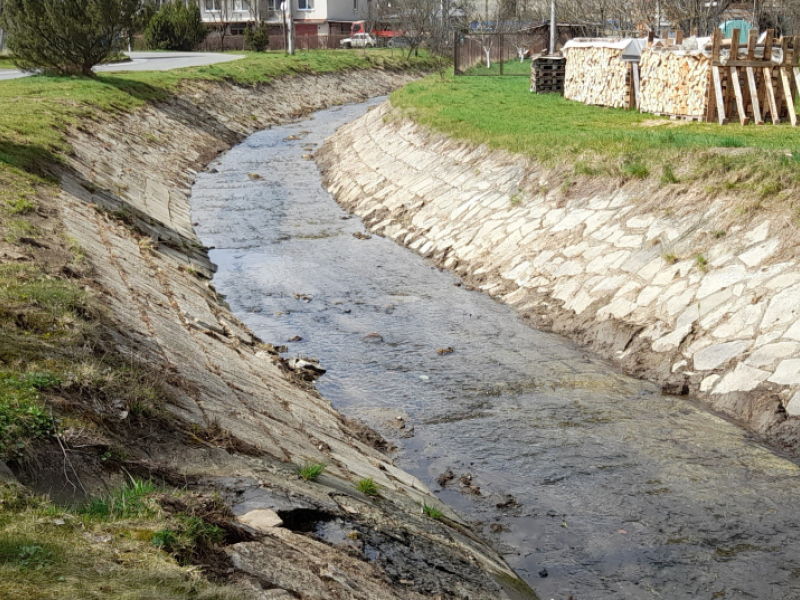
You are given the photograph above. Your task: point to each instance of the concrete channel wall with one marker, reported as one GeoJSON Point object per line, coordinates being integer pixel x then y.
{"type": "Point", "coordinates": [679, 290]}
{"type": "Point", "coordinates": [125, 198]}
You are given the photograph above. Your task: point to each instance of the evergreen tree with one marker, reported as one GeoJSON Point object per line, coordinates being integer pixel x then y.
{"type": "Point", "coordinates": [175, 26]}
{"type": "Point", "coordinates": [66, 36]}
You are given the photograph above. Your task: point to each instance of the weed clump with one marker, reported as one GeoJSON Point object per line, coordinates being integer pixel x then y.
{"type": "Point", "coordinates": [368, 487]}
{"type": "Point", "coordinates": [432, 512]}
{"type": "Point", "coordinates": [310, 471]}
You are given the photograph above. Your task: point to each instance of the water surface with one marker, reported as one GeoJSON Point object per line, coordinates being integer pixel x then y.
{"type": "Point", "coordinates": [592, 484]}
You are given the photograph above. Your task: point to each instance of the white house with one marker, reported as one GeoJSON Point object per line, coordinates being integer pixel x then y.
{"type": "Point", "coordinates": [311, 17]}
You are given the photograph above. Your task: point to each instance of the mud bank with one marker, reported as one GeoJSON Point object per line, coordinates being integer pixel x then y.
{"type": "Point", "coordinates": [676, 290]}
{"type": "Point", "coordinates": [124, 200]}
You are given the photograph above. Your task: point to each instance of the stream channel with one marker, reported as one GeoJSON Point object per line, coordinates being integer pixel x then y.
{"type": "Point", "coordinates": [592, 485]}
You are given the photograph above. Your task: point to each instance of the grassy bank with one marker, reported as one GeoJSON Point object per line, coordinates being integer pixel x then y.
{"type": "Point", "coordinates": [762, 163]}
{"type": "Point", "coordinates": [123, 545]}
{"type": "Point", "coordinates": [35, 111]}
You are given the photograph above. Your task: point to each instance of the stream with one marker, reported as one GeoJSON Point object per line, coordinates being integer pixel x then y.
{"type": "Point", "coordinates": [592, 485]}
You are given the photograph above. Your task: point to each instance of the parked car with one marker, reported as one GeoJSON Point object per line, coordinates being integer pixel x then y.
{"type": "Point", "coordinates": [359, 40]}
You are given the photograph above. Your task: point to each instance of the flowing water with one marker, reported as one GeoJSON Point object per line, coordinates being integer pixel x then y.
{"type": "Point", "coordinates": [593, 485]}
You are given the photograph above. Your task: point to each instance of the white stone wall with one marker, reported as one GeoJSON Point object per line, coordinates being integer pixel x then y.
{"type": "Point", "coordinates": [612, 269]}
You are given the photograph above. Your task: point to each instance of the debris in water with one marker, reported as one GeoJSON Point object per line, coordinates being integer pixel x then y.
{"type": "Point", "coordinates": [424, 377]}
{"type": "Point", "coordinates": [448, 350]}
{"type": "Point", "coordinates": [254, 176]}
{"type": "Point", "coordinates": [445, 478]}
{"type": "Point", "coordinates": [362, 236]}
{"type": "Point", "coordinates": [296, 338]}
{"type": "Point", "coordinates": [308, 368]}
{"type": "Point", "coordinates": [509, 502]}
{"type": "Point", "coordinates": [543, 573]}
{"type": "Point", "coordinates": [372, 338]}
{"type": "Point", "coordinates": [303, 297]}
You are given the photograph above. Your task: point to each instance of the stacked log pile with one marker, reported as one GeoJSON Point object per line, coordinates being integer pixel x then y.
{"type": "Point", "coordinates": [597, 75]}
{"type": "Point", "coordinates": [674, 82]}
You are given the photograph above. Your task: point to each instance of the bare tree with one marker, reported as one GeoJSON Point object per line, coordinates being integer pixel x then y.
{"type": "Point", "coordinates": [419, 19]}
{"type": "Point", "coordinates": [220, 12]}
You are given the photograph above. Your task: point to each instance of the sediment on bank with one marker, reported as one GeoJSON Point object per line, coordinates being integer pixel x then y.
{"type": "Point", "coordinates": [679, 290]}
{"type": "Point", "coordinates": [123, 200]}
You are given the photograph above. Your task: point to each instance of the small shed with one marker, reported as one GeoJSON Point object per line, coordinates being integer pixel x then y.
{"type": "Point", "coordinates": [600, 70]}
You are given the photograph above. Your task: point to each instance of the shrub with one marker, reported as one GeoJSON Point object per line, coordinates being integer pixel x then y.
{"type": "Point", "coordinates": [257, 38]}
{"type": "Point", "coordinates": [175, 26]}
{"type": "Point", "coordinates": [66, 36]}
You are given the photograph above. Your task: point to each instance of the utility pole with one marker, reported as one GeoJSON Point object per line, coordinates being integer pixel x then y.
{"type": "Point", "coordinates": [288, 26]}
{"type": "Point", "coordinates": [553, 27]}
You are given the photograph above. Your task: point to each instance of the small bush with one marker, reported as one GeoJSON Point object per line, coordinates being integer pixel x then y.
{"type": "Point", "coordinates": [367, 486]}
{"type": "Point", "coordinates": [66, 36]}
{"type": "Point", "coordinates": [175, 26]}
{"type": "Point", "coordinates": [701, 261]}
{"type": "Point", "coordinates": [257, 38]}
{"type": "Point", "coordinates": [311, 471]}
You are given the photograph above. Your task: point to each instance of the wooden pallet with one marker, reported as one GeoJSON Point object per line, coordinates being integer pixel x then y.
{"type": "Point", "coordinates": [753, 88]}
{"type": "Point", "coordinates": [547, 74]}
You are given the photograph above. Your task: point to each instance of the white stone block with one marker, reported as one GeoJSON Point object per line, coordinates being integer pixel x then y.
{"type": "Point", "coordinates": [783, 308]}
{"type": "Point", "coordinates": [718, 354]}
{"type": "Point", "coordinates": [768, 355]}
{"type": "Point", "coordinates": [793, 406]}
{"type": "Point", "coordinates": [755, 256]}
{"type": "Point", "coordinates": [787, 373]}
{"type": "Point", "coordinates": [708, 383]}
{"type": "Point", "coordinates": [720, 279]}
{"type": "Point", "coordinates": [742, 379]}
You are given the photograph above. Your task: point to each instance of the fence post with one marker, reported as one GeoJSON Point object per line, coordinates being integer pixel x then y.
{"type": "Point", "coordinates": [502, 47]}
{"type": "Point", "coordinates": [455, 53]}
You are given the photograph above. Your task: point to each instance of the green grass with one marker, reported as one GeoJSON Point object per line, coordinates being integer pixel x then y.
{"type": "Point", "coordinates": [127, 502]}
{"type": "Point", "coordinates": [52, 553]}
{"type": "Point", "coordinates": [310, 471]}
{"type": "Point", "coordinates": [7, 63]}
{"type": "Point", "coordinates": [510, 67]}
{"type": "Point", "coordinates": [23, 415]}
{"type": "Point", "coordinates": [432, 512]}
{"type": "Point", "coordinates": [368, 487]}
{"type": "Point", "coordinates": [35, 111]}
{"type": "Point", "coordinates": [502, 113]}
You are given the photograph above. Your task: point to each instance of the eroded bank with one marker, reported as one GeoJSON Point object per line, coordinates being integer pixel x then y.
{"type": "Point", "coordinates": [124, 201]}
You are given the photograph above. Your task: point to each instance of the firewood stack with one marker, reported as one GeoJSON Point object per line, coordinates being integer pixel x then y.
{"type": "Point", "coordinates": [597, 75]}
{"type": "Point", "coordinates": [674, 82]}
{"type": "Point", "coordinates": [547, 74]}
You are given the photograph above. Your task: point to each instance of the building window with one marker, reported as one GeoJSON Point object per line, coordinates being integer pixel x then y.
{"type": "Point", "coordinates": [240, 5]}
{"type": "Point", "coordinates": [305, 4]}
{"type": "Point", "coordinates": [212, 5]}
{"type": "Point", "coordinates": [355, 6]}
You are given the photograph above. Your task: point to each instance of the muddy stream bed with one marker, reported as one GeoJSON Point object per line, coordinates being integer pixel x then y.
{"type": "Point", "coordinates": [593, 485]}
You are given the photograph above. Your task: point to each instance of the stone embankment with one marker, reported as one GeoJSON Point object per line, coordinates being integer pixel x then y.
{"type": "Point", "coordinates": [124, 199]}
{"type": "Point", "coordinates": [680, 290]}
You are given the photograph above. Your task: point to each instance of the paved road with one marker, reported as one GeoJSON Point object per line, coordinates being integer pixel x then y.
{"type": "Point", "coordinates": [150, 61]}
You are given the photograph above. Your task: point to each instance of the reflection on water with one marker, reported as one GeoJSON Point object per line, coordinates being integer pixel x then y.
{"type": "Point", "coordinates": [592, 484]}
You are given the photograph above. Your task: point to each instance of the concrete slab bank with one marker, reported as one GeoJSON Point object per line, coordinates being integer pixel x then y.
{"type": "Point", "coordinates": [124, 200]}
{"type": "Point", "coordinates": [675, 290]}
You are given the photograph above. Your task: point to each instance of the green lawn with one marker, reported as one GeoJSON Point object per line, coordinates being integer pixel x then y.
{"type": "Point", "coordinates": [597, 141]}
{"type": "Point", "coordinates": [510, 67]}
